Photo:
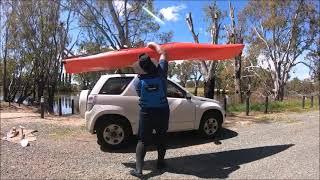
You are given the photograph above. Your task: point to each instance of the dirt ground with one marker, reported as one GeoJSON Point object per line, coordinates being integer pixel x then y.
{"type": "Point", "coordinates": [260, 146]}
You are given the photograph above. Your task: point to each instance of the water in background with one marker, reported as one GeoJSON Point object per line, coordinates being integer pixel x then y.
{"type": "Point", "coordinates": [65, 103]}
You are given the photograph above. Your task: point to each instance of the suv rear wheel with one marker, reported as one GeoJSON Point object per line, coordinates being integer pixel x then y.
{"type": "Point", "coordinates": [211, 124]}
{"type": "Point", "coordinates": [113, 133]}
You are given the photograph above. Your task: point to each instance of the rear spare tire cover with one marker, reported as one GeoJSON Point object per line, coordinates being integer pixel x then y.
{"type": "Point", "coordinates": [83, 102]}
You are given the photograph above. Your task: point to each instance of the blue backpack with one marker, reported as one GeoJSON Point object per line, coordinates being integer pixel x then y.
{"type": "Point", "coordinates": [153, 92]}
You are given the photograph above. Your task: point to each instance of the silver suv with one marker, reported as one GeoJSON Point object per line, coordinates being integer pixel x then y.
{"type": "Point", "coordinates": [111, 110]}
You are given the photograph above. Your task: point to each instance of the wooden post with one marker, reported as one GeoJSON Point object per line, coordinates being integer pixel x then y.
{"type": "Point", "coordinates": [72, 106]}
{"type": "Point", "coordinates": [303, 101]}
{"type": "Point", "coordinates": [42, 106]}
{"type": "Point", "coordinates": [266, 105]}
{"type": "Point", "coordinates": [247, 105]}
{"type": "Point", "coordinates": [311, 102]}
{"type": "Point", "coordinates": [225, 103]}
{"type": "Point", "coordinates": [319, 102]}
{"type": "Point", "coordinates": [60, 107]}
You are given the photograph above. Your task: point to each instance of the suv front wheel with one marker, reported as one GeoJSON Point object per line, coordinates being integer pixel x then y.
{"type": "Point", "coordinates": [210, 124]}
{"type": "Point", "coordinates": [113, 133]}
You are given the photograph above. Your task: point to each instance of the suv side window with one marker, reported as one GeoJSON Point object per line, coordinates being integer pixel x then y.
{"type": "Point", "coordinates": [115, 85]}
{"type": "Point", "coordinates": [174, 91]}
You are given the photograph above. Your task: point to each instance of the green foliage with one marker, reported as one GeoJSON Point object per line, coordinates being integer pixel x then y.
{"type": "Point", "coordinates": [171, 69]}
{"type": "Point", "coordinates": [313, 57]}
{"type": "Point", "coordinates": [187, 72]}
{"type": "Point", "coordinates": [35, 43]}
{"type": "Point", "coordinates": [165, 37]}
{"type": "Point", "coordinates": [225, 76]}
{"type": "Point", "coordinates": [183, 72]}
{"type": "Point", "coordinates": [302, 87]}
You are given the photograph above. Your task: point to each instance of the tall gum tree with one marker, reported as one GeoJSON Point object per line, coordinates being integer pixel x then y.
{"type": "Point", "coordinates": [208, 69]}
{"type": "Point", "coordinates": [284, 30]}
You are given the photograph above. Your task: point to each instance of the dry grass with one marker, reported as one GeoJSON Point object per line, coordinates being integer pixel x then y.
{"type": "Point", "coordinates": [14, 107]}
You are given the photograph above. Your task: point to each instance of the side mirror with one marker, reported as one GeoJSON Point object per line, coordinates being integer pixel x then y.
{"type": "Point", "coordinates": [188, 96]}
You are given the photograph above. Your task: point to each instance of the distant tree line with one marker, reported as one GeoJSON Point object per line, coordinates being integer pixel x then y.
{"type": "Point", "coordinates": [37, 35]}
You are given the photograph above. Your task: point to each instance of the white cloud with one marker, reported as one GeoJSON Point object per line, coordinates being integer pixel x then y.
{"type": "Point", "coordinates": [171, 13]}
{"type": "Point", "coordinates": [119, 6]}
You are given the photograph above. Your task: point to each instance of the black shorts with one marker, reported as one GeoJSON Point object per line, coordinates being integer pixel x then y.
{"type": "Point", "coordinates": [153, 119]}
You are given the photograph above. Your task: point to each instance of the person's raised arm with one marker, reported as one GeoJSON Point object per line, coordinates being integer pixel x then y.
{"type": "Point", "coordinates": [163, 61]}
{"type": "Point", "coordinates": [137, 86]}
{"type": "Point", "coordinates": [158, 49]}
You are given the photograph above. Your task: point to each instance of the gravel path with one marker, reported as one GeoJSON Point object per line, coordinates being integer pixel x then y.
{"type": "Point", "coordinates": [63, 150]}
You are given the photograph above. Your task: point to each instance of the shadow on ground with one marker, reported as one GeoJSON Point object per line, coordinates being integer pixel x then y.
{"type": "Point", "coordinates": [179, 140]}
{"type": "Point", "coordinates": [212, 165]}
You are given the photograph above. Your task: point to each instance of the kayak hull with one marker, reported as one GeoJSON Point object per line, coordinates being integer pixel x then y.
{"type": "Point", "coordinates": [127, 57]}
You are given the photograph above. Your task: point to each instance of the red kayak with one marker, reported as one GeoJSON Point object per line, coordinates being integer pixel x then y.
{"type": "Point", "coordinates": [175, 51]}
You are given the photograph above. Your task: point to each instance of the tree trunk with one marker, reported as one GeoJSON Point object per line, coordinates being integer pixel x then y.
{"type": "Point", "coordinates": [12, 97]}
{"type": "Point", "coordinates": [183, 83]}
{"type": "Point", "coordinates": [118, 25]}
{"type": "Point", "coordinates": [209, 83]}
{"type": "Point", "coordinates": [70, 78]}
{"type": "Point", "coordinates": [4, 85]}
{"type": "Point", "coordinates": [195, 88]}
{"type": "Point", "coordinates": [25, 93]}
{"type": "Point", "coordinates": [40, 89]}
{"type": "Point", "coordinates": [209, 86]}
{"type": "Point", "coordinates": [66, 79]}
{"type": "Point", "coordinates": [237, 79]}
{"type": "Point", "coordinates": [279, 93]}
{"type": "Point", "coordinates": [12, 90]}
{"type": "Point", "coordinates": [62, 79]}
{"type": "Point", "coordinates": [279, 89]}
{"type": "Point", "coordinates": [235, 37]}
{"type": "Point", "coordinates": [50, 99]}
{"type": "Point", "coordinates": [5, 89]}
{"type": "Point", "coordinates": [34, 91]}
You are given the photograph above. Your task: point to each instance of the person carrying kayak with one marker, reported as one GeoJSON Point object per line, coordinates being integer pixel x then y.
{"type": "Point", "coordinates": [151, 86]}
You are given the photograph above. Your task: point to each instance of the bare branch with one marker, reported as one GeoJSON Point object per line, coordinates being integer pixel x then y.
{"type": "Point", "coordinates": [264, 40]}
{"type": "Point", "coordinates": [196, 40]}
{"type": "Point", "coordinates": [116, 20]}
{"type": "Point", "coordinates": [100, 26]}
{"type": "Point", "coordinates": [191, 28]}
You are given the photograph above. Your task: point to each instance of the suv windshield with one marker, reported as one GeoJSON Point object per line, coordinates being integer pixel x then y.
{"type": "Point", "coordinates": [115, 85]}
{"type": "Point", "coordinates": [174, 91]}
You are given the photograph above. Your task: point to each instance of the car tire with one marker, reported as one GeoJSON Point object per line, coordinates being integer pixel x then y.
{"type": "Point", "coordinates": [113, 133]}
{"type": "Point", "coordinates": [210, 125]}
